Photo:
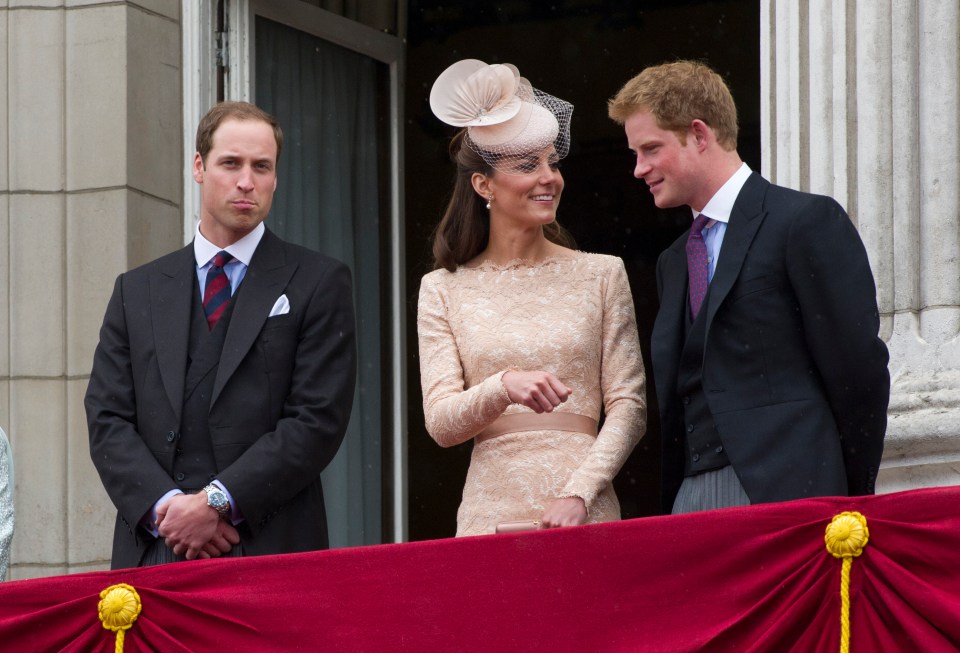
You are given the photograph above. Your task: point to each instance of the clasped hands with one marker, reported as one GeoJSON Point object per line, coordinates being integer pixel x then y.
{"type": "Point", "coordinates": [539, 391]}
{"type": "Point", "coordinates": [542, 392]}
{"type": "Point", "coordinates": [189, 526]}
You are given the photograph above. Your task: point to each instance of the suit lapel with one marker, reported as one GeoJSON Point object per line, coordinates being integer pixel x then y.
{"type": "Point", "coordinates": [673, 300]}
{"type": "Point", "coordinates": [264, 282]}
{"type": "Point", "coordinates": [668, 331]}
{"type": "Point", "coordinates": [171, 294]}
{"type": "Point", "coordinates": [745, 220]}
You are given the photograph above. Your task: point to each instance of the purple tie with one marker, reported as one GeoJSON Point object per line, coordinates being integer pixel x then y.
{"type": "Point", "coordinates": [698, 265]}
{"type": "Point", "coordinates": [216, 292]}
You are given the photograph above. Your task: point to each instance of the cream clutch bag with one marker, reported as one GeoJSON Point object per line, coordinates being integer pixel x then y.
{"type": "Point", "coordinates": [518, 526]}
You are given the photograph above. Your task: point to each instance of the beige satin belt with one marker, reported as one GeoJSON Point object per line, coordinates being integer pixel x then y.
{"type": "Point", "coordinates": [517, 422]}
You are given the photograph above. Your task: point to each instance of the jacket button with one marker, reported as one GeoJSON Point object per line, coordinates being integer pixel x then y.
{"type": "Point", "coordinates": [171, 436]}
{"type": "Point", "coordinates": [180, 476]}
{"type": "Point", "coordinates": [689, 428]}
{"type": "Point", "coordinates": [178, 451]}
{"type": "Point", "coordinates": [686, 401]}
{"type": "Point", "coordinates": [696, 457]}
{"type": "Point", "coordinates": [719, 449]}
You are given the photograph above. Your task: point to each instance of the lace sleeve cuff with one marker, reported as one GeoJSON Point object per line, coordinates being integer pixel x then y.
{"type": "Point", "coordinates": [587, 501]}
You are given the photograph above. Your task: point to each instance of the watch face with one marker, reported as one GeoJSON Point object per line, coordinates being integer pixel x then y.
{"type": "Point", "coordinates": [216, 498]}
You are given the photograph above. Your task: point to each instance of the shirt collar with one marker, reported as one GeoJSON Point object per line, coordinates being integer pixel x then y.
{"type": "Point", "coordinates": [721, 204]}
{"type": "Point", "coordinates": [242, 250]}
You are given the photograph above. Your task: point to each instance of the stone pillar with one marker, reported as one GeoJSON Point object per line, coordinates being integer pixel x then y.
{"type": "Point", "coordinates": [860, 101]}
{"type": "Point", "coordinates": [90, 121]}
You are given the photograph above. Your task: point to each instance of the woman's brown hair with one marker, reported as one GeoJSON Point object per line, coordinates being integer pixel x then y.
{"type": "Point", "coordinates": [464, 230]}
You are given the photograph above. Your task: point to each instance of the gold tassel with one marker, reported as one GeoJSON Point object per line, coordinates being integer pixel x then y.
{"type": "Point", "coordinates": [119, 607]}
{"type": "Point", "coordinates": [845, 538]}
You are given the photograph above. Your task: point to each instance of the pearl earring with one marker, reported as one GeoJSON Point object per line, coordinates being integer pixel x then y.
{"type": "Point", "coordinates": [489, 199]}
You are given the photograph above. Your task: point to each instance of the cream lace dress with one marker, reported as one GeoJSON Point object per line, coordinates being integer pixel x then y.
{"type": "Point", "coordinates": [571, 315]}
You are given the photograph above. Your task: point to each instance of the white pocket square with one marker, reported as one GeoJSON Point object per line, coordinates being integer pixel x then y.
{"type": "Point", "coordinates": [280, 307]}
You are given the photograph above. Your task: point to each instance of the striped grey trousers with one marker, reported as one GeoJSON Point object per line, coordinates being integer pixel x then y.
{"type": "Point", "coordinates": [159, 553]}
{"type": "Point", "coordinates": [718, 488]}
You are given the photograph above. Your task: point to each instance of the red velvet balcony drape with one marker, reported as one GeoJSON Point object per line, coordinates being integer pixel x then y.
{"type": "Point", "coordinates": [742, 579]}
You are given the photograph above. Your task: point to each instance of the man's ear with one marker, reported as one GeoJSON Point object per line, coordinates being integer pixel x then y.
{"type": "Point", "coordinates": [198, 168]}
{"type": "Point", "coordinates": [701, 133]}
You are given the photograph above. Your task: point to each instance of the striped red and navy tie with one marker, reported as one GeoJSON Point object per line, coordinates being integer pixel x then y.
{"type": "Point", "coordinates": [216, 293]}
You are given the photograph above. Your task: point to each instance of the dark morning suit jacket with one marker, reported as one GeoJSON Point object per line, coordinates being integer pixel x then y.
{"type": "Point", "coordinates": [793, 372]}
{"type": "Point", "coordinates": [281, 394]}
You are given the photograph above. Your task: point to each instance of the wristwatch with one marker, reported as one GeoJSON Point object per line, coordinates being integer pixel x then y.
{"type": "Point", "coordinates": [217, 499]}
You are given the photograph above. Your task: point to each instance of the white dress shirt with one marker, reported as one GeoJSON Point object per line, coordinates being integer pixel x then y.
{"type": "Point", "coordinates": [718, 209]}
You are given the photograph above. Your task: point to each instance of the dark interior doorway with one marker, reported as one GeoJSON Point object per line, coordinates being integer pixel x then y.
{"type": "Point", "coordinates": [582, 51]}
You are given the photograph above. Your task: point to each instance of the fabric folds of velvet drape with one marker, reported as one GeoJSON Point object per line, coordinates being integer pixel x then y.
{"type": "Point", "coordinates": [755, 579]}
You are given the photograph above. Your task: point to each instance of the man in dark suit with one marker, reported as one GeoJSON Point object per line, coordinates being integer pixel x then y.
{"type": "Point", "coordinates": [771, 380]}
{"type": "Point", "coordinates": [224, 376]}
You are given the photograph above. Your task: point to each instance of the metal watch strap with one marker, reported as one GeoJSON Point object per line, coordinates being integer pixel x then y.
{"type": "Point", "coordinates": [222, 507]}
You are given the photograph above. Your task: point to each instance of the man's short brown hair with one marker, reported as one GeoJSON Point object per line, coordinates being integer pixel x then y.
{"type": "Point", "coordinates": [676, 94]}
{"type": "Point", "coordinates": [236, 111]}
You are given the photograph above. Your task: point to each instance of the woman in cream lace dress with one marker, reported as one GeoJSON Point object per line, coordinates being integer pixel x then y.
{"type": "Point", "coordinates": [6, 503]}
{"type": "Point", "coordinates": [523, 341]}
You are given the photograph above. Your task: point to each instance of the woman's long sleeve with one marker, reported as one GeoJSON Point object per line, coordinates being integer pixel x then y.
{"type": "Point", "coordinates": [453, 414]}
{"type": "Point", "coordinates": [622, 384]}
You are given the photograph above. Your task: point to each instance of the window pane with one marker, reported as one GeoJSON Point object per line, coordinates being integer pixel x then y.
{"type": "Point", "coordinates": [327, 199]}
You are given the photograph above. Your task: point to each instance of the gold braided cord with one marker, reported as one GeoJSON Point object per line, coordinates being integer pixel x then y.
{"type": "Point", "coordinates": [119, 607]}
{"type": "Point", "coordinates": [845, 605]}
{"type": "Point", "coordinates": [846, 537]}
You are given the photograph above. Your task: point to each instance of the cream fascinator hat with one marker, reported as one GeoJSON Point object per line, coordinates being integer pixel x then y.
{"type": "Point", "coordinates": [506, 118]}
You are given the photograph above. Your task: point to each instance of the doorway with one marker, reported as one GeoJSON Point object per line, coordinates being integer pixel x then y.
{"type": "Point", "coordinates": [581, 51]}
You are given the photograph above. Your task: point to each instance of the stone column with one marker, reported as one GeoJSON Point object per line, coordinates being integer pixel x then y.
{"type": "Point", "coordinates": [860, 101]}
{"type": "Point", "coordinates": [89, 187]}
